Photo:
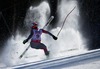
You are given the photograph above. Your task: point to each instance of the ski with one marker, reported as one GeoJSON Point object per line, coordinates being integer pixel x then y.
{"type": "Point", "coordinates": [24, 52]}
{"type": "Point", "coordinates": [49, 21]}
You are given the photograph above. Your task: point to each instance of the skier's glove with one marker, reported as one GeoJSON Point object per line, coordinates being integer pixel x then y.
{"type": "Point", "coordinates": [25, 41]}
{"type": "Point", "coordinates": [54, 37]}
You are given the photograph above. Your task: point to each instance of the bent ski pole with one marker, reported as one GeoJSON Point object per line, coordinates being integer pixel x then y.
{"type": "Point", "coordinates": [65, 20]}
{"type": "Point", "coordinates": [24, 52]}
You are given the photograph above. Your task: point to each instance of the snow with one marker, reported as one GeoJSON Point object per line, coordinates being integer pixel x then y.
{"type": "Point", "coordinates": [88, 60]}
{"type": "Point", "coordinates": [2, 65]}
{"type": "Point", "coordinates": [85, 60]}
{"type": "Point", "coordinates": [86, 65]}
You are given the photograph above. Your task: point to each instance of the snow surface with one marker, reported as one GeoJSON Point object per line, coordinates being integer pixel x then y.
{"type": "Point", "coordinates": [87, 65]}
{"type": "Point", "coordinates": [88, 60]}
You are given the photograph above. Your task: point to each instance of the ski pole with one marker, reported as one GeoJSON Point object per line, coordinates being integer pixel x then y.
{"type": "Point", "coordinates": [65, 20]}
{"type": "Point", "coordinates": [24, 52]}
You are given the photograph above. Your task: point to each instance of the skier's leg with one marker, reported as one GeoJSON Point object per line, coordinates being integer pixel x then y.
{"type": "Point", "coordinates": [42, 46]}
{"type": "Point", "coordinates": [34, 45]}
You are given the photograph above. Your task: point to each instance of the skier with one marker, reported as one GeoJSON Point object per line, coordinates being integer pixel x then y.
{"type": "Point", "coordinates": [35, 37]}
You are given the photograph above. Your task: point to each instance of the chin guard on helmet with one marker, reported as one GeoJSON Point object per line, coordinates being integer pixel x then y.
{"type": "Point", "coordinates": [34, 24]}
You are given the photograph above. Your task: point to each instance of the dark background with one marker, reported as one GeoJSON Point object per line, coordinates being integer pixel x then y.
{"type": "Point", "coordinates": [90, 27]}
{"type": "Point", "coordinates": [14, 12]}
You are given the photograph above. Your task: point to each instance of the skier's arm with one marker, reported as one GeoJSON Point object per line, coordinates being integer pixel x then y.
{"type": "Point", "coordinates": [54, 37]}
{"type": "Point", "coordinates": [31, 33]}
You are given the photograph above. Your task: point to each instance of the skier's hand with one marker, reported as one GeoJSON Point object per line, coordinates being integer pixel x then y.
{"type": "Point", "coordinates": [54, 37]}
{"type": "Point", "coordinates": [25, 41]}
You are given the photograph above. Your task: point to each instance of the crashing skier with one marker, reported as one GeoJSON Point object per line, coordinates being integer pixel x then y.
{"type": "Point", "coordinates": [35, 36]}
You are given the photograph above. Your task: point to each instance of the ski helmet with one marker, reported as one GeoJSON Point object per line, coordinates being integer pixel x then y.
{"type": "Point", "coordinates": [34, 23]}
